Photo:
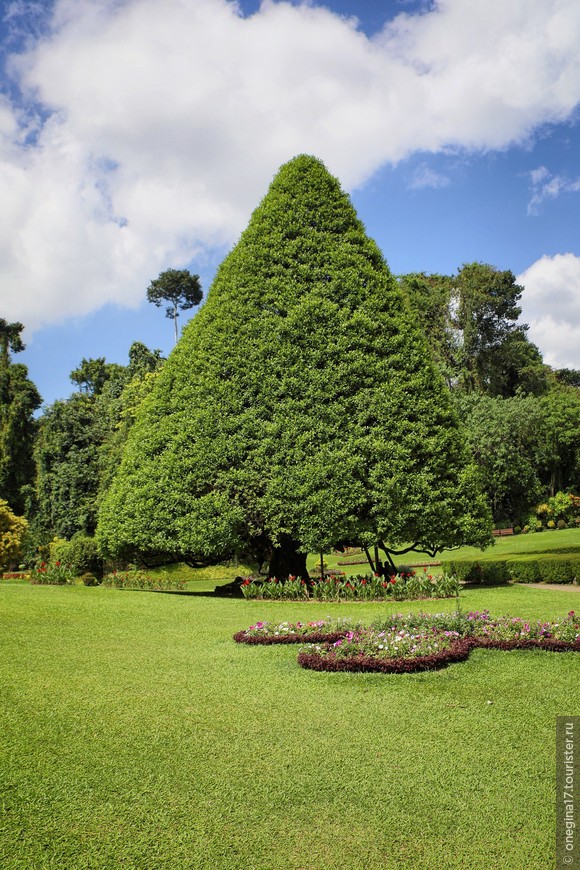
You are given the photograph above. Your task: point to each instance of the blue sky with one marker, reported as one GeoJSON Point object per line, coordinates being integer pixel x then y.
{"type": "Point", "coordinates": [137, 136]}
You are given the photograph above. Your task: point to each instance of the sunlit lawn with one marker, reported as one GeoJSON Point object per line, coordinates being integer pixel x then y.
{"type": "Point", "coordinates": [136, 734]}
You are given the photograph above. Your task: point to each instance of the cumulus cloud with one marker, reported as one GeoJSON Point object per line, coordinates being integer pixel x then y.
{"type": "Point", "coordinates": [144, 135]}
{"type": "Point", "coordinates": [544, 186]}
{"type": "Point", "coordinates": [551, 306]}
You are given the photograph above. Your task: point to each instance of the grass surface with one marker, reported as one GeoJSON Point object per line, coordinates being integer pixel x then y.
{"type": "Point", "coordinates": [558, 541]}
{"type": "Point", "coordinates": [134, 733]}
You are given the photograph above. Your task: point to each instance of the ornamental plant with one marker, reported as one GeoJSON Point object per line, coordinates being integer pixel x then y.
{"type": "Point", "coordinates": [300, 411]}
{"type": "Point", "coordinates": [52, 574]}
{"type": "Point", "coordinates": [12, 532]}
{"type": "Point", "coordinates": [418, 641]}
{"type": "Point", "coordinates": [141, 580]}
{"type": "Point", "coordinates": [296, 632]}
{"type": "Point", "coordinates": [360, 587]}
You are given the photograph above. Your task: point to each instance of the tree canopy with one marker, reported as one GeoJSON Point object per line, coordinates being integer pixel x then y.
{"type": "Point", "coordinates": [80, 439]}
{"type": "Point", "coordinates": [301, 409]}
{"type": "Point", "coordinates": [471, 320]}
{"type": "Point", "coordinates": [19, 399]}
{"type": "Point", "coordinates": [178, 287]}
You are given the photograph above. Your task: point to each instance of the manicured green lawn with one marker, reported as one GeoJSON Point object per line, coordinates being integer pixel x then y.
{"type": "Point", "coordinates": [134, 733]}
{"type": "Point", "coordinates": [558, 541]}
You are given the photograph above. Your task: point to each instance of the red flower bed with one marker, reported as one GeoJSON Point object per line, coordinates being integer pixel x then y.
{"type": "Point", "coordinates": [266, 639]}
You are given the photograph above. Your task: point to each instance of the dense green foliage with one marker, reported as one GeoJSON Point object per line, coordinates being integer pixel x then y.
{"type": "Point", "coordinates": [127, 743]}
{"type": "Point", "coordinates": [12, 532]}
{"type": "Point", "coordinates": [564, 568]}
{"type": "Point", "coordinates": [80, 555]}
{"type": "Point", "coordinates": [80, 440]}
{"type": "Point", "coordinates": [527, 447]}
{"type": "Point", "coordinates": [471, 320]}
{"type": "Point", "coordinates": [301, 409]}
{"type": "Point", "coordinates": [19, 399]}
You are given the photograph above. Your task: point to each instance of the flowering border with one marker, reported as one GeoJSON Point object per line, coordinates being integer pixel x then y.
{"type": "Point", "coordinates": [268, 639]}
{"type": "Point", "coordinates": [458, 652]}
{"type": "Point", "coordinates": [471, 631]}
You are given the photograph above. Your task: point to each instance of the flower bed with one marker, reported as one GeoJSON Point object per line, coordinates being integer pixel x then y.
{"type": "Point", "coordinates": [316, 661]}
{"type": "Point", "coordinates": [323, 630]}
{"type": "Point", "coordinates": [362, 587]}
{"type": "Point", "coordinates": [140, 580]}
{"type": "Point", "coordinates": [417, 642]}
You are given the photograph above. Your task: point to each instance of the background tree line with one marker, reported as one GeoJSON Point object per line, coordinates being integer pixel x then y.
{"type": "Point", "coordinates": [522, 417]}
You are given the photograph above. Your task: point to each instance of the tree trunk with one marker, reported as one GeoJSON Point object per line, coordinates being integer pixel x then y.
{"type": "Point", "coordinates": [175, 316]}
{"type": "Point", "coordinates": [286, 560]}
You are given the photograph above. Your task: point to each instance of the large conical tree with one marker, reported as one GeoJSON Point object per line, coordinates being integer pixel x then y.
{"type": "Point", "coordinates": [301, 409]}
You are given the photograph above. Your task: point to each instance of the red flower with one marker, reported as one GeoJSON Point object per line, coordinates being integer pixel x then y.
{"type": "Point", "coordinates": [393, 580]}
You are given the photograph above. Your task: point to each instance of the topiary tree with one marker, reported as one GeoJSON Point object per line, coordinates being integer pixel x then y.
{"type": "Point", "coordinates": [301, 410]}
{"type": "Point", "coordinates": [12, 532]}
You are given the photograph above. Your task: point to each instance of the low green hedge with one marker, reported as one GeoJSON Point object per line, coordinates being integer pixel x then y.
{"type": "Point", "coordinates": [472, 571]}
{"type": "Point", "coordinates": [553, 569]}
{"type": "Point", "coordinates": [559, 570]}
{"type": "Point", "coordinates": [525, 571]}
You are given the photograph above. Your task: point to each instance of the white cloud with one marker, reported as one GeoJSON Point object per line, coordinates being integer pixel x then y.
{"type": "Point", "coordinates": [424, 176]}
{"type": "Point", "coordinates": [166, 122]}
{"type": "Point", "coordinates": [551, 306]}
{"type": "Point", "coordinates": [544, 186]}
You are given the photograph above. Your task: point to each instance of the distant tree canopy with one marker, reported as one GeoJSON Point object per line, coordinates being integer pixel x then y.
{"type": "Point", "coordinates": [471, 321]}
{"type": "Point", "coordinates": [19, 399]}
{"type": "Point", "coordinates": [178, 287]}
{"type": "Point", "coordinates": [301, 409]}
{"type": "Point", "coordinates": [80, 439]}
{"type": "Point", "coordinates": [92, 375]}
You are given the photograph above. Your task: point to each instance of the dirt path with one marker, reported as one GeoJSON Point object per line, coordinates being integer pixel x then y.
{"type": "Point", "coordinates": [568, 587]}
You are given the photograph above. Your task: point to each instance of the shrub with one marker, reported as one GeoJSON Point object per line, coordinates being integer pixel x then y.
{"type": "Point", "coordinates": [52, 574]}
{"type": "Point", "coordinates": [551, 525]}
{"type": "Point", "coordinates": [12, 533]}
{"type": "Point", "coordinates": [517, 530]}
{"type": "Point", "coordinates": [534, 524]}
{"type": "Point", "coordinates": [561, 524]}
{"type": "Point", "coordinates": [140, 580]}
{"type": "Point", "coordinates": [468, 571]}
{"type": "Point", "coordinates": [522, 571]}
{"type": "Point", "coordinates": [561, 506]}
{"type": "Point", "coordinates": [89, 579]}
{"type": "Point", "coordinates": [558, 570]}
{"type": "Point", "coordinates": [81, 553]}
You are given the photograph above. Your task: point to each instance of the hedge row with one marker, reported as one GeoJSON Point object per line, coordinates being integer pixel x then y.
{"type": "Point", "coordinates": [562, 570]}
